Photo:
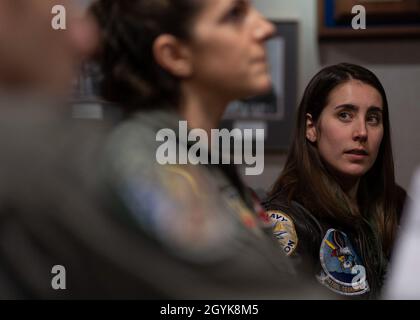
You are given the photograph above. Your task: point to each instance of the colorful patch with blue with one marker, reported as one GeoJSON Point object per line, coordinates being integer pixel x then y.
{"type": "Point", "coordinates": [342, 270]}
{"type": "Point", "coordinates": [284, 231]}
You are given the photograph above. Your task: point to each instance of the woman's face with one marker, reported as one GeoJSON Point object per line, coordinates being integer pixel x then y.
{"type": "Point", "coordinates": [350, 129]}
{"type": "Point", "coordinates": [36, 55]}
{"type": "Point", "coordinates": [228, 52]}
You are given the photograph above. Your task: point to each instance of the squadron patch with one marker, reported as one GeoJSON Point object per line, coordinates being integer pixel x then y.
{"type": "Point", "coordinates": [170, 208]}
{"type": "Point", "coordinates": [284, 230]}
{"type": "Point", "coordinates": [341, 268]}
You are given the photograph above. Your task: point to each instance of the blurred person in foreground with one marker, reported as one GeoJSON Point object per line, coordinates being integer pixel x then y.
{"type": "Point", "coordinates": [100, 206]}
{"type": "Point", "coordinates": [400, 283]}
{"type": "Point", "coordinates": [45, 156]}
{"type": "Point", "coordinates": [164, 62]}
{"type": "Point", "coordinates": [36, 59]}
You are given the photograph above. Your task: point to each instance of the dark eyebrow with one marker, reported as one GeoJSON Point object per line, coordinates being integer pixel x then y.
{"type": "Point", "coordinates": [375, 109]}
{"type": "Point", "coordinates": [355, 108]}
{"type": "Point", "coordinates": [347, 106]}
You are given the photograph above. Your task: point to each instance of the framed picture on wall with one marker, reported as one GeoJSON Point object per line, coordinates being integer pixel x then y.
{"type": "Point", "coordinates": [274, 111]}
{"type": "Point", "coordinates": [384, 18]}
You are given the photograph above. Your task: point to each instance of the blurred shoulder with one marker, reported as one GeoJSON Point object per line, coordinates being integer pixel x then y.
{"type": "Point", "coordinates": [402, 199]}
{"type": "Point", "coordinates": [132, 145]}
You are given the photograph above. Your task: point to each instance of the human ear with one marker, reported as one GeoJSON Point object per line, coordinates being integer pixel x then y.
{"type": "Point", "coordinates": [172, 55]}
{"type": "Point", "coordinates": [311, 134]}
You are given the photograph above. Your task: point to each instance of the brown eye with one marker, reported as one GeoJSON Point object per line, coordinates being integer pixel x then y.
{"type": "Point", "coordinates": [345, 116]}
{"type": "Point", "coordinates": [374, 119]}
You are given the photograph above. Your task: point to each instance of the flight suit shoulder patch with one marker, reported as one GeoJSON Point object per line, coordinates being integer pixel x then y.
{"type": "Point", "coordinates": [284, 230]}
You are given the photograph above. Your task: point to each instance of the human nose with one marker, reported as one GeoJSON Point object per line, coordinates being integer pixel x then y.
{"type": "Point", "coordinates": [360, 132]}
{"type": "Point", "coordinates": [264, 29]}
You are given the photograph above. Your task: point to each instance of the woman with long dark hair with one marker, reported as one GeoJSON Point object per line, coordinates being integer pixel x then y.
{"type": "Point", "coordinates": [336, 204]}
{"type": "Point", "coordinates": [164, 63]}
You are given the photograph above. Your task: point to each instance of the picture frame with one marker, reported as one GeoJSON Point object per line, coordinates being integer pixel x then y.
{"type": "Point", "coordinates": [384, 19]}
{"type": "Point", "coordinates": [275, 111]}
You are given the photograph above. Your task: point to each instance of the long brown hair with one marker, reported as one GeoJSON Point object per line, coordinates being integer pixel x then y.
{"type": "Point", "coordinates": [307, 180]}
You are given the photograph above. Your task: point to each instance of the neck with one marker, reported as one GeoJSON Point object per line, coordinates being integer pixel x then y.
{"type": "Point", "coordinates": [201, 108]}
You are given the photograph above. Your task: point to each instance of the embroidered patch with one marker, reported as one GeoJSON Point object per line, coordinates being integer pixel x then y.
{"type": "Point", "coordinates": [169, 206]}
{"type": "Point", "coordinates": [341, 268]}
{"type": "Point", "coordinates": [284, 230]}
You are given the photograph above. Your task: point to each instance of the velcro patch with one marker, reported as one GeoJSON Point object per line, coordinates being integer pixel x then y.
{"type": "Point", "coordinates": [284, 230]}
